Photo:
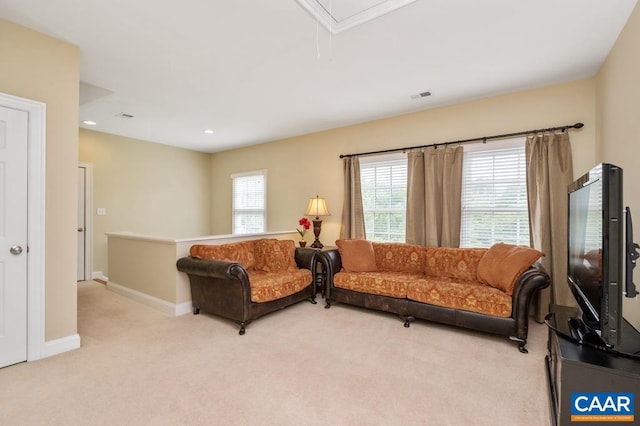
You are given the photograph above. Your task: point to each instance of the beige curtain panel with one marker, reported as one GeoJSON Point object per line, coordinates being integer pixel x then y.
{"type": "Point", "coordinates": [352, 211]}
{"type": "Point", "coordinates": [549, 173]}
{"type": "Point", "coordinates": [434, 191]}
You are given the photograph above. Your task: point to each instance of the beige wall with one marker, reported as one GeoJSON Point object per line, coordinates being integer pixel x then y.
{"type": "Point", "coordinates": [146, 188]}
{"type": "Point", "coordinates": [618, 91]}
{"type": "Point", "coordinates": [41, 68]}
{"type": "Point", "coordinates": [301, 167]}
{"type": "Point", "coordinates": [147, 266]}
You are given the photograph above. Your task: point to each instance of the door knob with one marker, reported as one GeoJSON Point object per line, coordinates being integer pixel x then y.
{"type": "Point", "coordinates": [15, 250]}
{"type": "Point", "coordinates": [80, 229]}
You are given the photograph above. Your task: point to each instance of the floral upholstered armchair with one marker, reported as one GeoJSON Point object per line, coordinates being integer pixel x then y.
{"type": "Point", "coordinates": [246, 280]}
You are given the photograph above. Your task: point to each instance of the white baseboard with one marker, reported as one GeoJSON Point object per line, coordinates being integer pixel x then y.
{"type": "Point", "coordinates": [58, 346]}
{"type": "Point", "coordinates": [151, 301]}
{"type": "Point", "coordinates": [184, 308]}
{"type": "Point", "coordinates": [99, 275]}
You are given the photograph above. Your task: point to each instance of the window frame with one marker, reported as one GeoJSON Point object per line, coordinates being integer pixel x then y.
{"type": "Point", "coordinates": [235, 211]}
{"type": "Point", "coordinates": [384, 158]}
{"type": "Point", "coordinates": [465, 238]}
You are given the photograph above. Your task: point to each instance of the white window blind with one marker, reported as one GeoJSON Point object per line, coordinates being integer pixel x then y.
{"type": "Point", "coordinates": [249, 201]}
{"type": "Point", "coordinates": [494, 195]}
{"type": "Point", "coordinates": [384, 197]}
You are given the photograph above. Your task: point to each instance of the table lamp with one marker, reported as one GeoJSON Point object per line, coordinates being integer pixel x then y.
{"type": "Point", "coordinates": [318, 207]}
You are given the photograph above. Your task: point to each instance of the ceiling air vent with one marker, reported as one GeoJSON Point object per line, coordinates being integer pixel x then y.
{"type": "Point", "coordinates": [421, 95]}
{"type": "Point", "coordinates": [124, 115]}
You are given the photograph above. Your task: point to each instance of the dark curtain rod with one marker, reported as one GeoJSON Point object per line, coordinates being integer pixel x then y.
{"type": "Point", "coordinates": [482, 139]}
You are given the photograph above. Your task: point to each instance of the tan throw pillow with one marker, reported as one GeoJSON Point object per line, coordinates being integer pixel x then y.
{"type": "Point", "coordinates": [243, 253]}
{"type": "Point", "coordinates": [274, 255]}
{"type": "Point", "coordinates": [357, 255]}
{"type": "Point", "coordinates": [502, 264]}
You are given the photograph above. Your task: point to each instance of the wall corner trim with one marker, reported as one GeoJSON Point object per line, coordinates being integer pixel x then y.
{"type": "Point", "coordinates": [58, 346]}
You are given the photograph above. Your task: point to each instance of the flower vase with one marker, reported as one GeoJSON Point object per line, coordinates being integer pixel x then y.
{"type": "Point", "coordinates": [303, 243]}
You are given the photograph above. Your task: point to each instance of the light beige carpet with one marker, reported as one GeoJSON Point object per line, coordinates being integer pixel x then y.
{"type": "Point", "coordinates": [303, 365]}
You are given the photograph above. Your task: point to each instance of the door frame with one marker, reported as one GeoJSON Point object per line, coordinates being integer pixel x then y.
{"type": "Point", "coordinates": [88, 218]}
{"type": "Point", "coordinates": [36, 161]}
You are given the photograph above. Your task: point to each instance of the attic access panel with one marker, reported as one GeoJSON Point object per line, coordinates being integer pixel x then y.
{"type": "Point", "coordinates": [340, 15]}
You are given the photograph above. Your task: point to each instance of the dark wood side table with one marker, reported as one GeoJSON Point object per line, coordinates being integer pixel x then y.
{"type": "Point", "coordinates": [321, 273]}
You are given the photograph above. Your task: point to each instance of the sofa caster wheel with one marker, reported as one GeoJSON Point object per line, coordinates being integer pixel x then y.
{"type": "Point", "coordinates": [521, 344]}
{"type": "Point", "coordinates": [408, 321]}
{"type": "Point", "coordinates": [196, 311]}
{"type": "Point", "coordinates": [313, 300]}
{"type": "Point", "coordinates": [243, 326]}
{"type": "Point", "coordinates": [327, 305]}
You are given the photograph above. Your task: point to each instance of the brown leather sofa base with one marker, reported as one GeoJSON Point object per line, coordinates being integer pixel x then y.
{"type": "Point", "coordinates": [515, 327]}
{"type": "Point", "coordinates": [223, 288]}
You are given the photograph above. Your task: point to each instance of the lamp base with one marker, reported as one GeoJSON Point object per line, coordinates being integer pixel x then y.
{"type": "Point", "coordinates": [317, 227]}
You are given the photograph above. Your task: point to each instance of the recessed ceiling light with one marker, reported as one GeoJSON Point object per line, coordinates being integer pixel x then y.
{"type": "Point", "coordinates": [209, 131]}
{"type": "Point", "coordinates": [89, 122]}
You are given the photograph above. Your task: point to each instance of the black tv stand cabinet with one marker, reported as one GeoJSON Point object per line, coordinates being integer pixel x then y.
{"type": "Point", "coordinates": [574, 367]}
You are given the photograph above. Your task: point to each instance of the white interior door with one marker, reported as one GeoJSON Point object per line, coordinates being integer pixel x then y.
{"type": "Point", "coordinates": [82, 252]}
{"type": "Point", "coordinates": [13, 235]}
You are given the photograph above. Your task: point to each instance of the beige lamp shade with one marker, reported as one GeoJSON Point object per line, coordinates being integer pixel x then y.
{"type": "Point", "coordinates": [317, 207]}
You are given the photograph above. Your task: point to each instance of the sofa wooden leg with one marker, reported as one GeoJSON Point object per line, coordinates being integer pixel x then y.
{"type": "Point", "coordinates": [313, 300]}
{"type": "Point", "coordinates": [521, 344]}
{"type": "Point", "coordinates": [407, 320]}
{"type": "Point", "coordinates": [328, 304]}
{"type": "Point", "coordinates": [196, 311]}
{"type": "Point", "coordinates": [242, 328]}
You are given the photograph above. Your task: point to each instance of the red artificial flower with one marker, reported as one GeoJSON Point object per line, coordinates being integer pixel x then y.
{"type": "Point", "coordinates": [306, 224]}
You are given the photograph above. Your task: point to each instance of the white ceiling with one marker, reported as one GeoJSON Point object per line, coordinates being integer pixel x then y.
{"type": "Point", "coordinates": [261, 70]}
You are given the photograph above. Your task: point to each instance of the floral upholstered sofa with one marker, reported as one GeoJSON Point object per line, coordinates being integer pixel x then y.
{"type": "Point", "coordinates": [483, 289]}
{"type": "Point", "coordinates": [246, 280]}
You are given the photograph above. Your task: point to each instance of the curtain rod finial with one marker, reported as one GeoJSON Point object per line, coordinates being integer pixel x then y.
{"type": "Point", "coordinates": [578, 125]}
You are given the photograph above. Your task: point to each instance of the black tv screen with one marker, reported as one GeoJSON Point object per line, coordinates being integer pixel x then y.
{"type": "Point", "coordinates": [595, 252]}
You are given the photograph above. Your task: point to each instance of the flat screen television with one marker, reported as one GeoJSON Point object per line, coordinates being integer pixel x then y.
{"type": "Point", "coordinates": [595, 254]}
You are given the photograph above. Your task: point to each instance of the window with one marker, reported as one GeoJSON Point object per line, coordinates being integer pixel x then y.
{"type": "Point", "coordinates": [384, 197]}
{"type": "Point", "coordinates": [494, 195]}
{"type": "Point", "coordinates": [249, 201]}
